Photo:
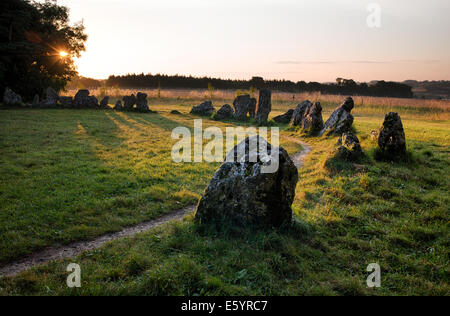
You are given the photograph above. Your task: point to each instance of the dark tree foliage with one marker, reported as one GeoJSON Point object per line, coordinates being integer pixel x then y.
{"type": "Point", "coordinates": [342, 86]}
{"type": "Point", "coordinates": [32, 35]}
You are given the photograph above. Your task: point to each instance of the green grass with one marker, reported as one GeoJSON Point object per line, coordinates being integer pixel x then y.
{"type": "Point", "coordinates": [394, 214]}
{"type": "Point", "coordinates": [67, 175]}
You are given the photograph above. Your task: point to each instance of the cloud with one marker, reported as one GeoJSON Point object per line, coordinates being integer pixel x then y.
{"type": "Point", "coordinates": [327, 62]}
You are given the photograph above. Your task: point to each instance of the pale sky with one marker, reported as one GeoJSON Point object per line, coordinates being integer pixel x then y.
{"type": "Point", "coordinates": [311, 40]}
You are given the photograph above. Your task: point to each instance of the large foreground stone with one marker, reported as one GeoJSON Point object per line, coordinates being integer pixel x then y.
{"type": "Point", "coordinates": [392, 135]}
{"type": "Point", "coordinates": [241, 194]}
{"type": "Point", "coordinates": [225, 112]}
{"type": "Point", "coordinates": [206, 108]}
{"type": "Point", "coordinates": [11, 98]}
{"type": "Point", "coordinates": [264, 106]}
{"type": "Point", "coordinates": [341, 120]}
{"type": "Point", "coordinates": [242, 105]}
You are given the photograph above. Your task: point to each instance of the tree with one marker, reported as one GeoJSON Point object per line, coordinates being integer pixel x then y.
{"type": "Point", "coordinates": [257, 82]}
{"type": "Point", "coordinates": [37, 46]}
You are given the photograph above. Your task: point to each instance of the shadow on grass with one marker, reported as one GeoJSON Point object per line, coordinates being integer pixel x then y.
{"type": "Point", "coordinates": [120, 118]}
{"type": "Point", "coordinates": [155, 119]}
{"type": "Point", "coordinates": [102, 128]}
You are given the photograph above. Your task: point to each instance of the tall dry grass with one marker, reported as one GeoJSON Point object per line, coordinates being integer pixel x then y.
{"type": "Point", "coordinates": [429, 109]}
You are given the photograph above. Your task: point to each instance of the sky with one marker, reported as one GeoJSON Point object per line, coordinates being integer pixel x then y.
{"type": "Point", "coordinates": [310, 40]}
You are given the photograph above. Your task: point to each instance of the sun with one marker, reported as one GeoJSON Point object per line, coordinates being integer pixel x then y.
{"type": "Point", "coordinates": [63, 54]}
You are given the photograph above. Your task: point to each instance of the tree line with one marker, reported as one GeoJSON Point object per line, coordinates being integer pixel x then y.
{"type": "Point", "coordinates": [342, 86]}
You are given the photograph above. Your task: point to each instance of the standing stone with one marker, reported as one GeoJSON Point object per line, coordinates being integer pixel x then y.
{"type": "Point", "coordinates": [299, 113]}
{"type": "Point", "coordinates": [241, 194]}
{"type": "Point", "coordinates": [11, 98]}
{"type": "Point", "coordinates": [313, 121]}
{"type": "Point", "coordinates": [141, 102]}
{"type": "Point", "coordinates": [51, 98]}
{"type": "Point", "coordinates": [252, 108]}
{"type": "Point", "coordinates": [83, 100]}
{"type": "Point", "coordinates": [80, 98]}
{"type": "Point", "coordinates": [264, 106]}
{"type": "Point", "coordinates": [349, 147]}
{"type": "Point", "coordinates": [348, 104]}
{"type": "Point", "coordinates": [392, 135]}
{"type": "Point", "coordinates": [66, 102]}
{"type": "Point", "coordinates": [341, 120]}
{"type": "Point", "coordinates": [104, 103]}
{"type": "Point", "coordinates": [118, 106]}
{"type": "Point", "coordinates": [284, 118]}
{"type": "Point", "coordinates": [129, 102]}
{"type": "Point", "coordinates": [36, 100]}
{"type": "Point", "coordinates": [93, 102]}
{"type": "Point", "coordinates": [225, 112]}
{"type": "Point", "coordinates": [241, 105]}
{"type": "Point", "coordinates": [206, 108]}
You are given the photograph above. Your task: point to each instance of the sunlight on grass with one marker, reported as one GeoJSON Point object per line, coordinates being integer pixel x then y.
{"type": "Point", "coordinates": [109, 170]}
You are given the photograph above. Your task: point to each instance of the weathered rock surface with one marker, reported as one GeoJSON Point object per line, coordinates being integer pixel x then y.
{"type": "Point", "coordinates": [104, 103]}
{"type": "Point", "coordinates": [284, 118]}
{"type": "Point", "coordinates": [83, 100]}
{"type": "Point", "coordinates": [349, 147]}
{"type": "Point", "coordinates": [35, 100]}
{"type": "Point", "coordinates": [66, 102]}
{"type": "Point", "coordinates": [141, 102]}
{"type": "Point", "coordinates": [11, 98]}
{"type": "Point", "coordinates": [118, 106]}
{"type": "Point", "coordinates": [242, 106]}
{"type": "Point", "coordinates": [341, 120]}
{"type": "Point", "coordinates": [392, 135]}
{"type": "Point", "coordinates": [313, 122]}
{"type": "Point", "coordinates": [264, 106]}
{"type": "Point", "coordinates": [175, 112]}
{"type": "Point", "coordinates": [51, 98]}
{"type": "Point", "coordinates": [225, 112]}
{"type": "Point", "coordinates": [129, 102]}
{"type": "Point", "coordinates": [206, 108]}
{"type": "Point", "coordinates": [348, 104]}
{"type": "Point", "coordinates": [299, 113]}
{"type": "Point", "coordinates": [242, 194]}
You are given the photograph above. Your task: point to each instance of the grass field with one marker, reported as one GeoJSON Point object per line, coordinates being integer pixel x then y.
{"type": "Point", "coordinates": [69, 175]}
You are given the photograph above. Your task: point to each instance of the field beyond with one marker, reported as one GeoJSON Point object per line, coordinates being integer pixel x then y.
{"type": "Point", "coordinates": [68, 175]}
